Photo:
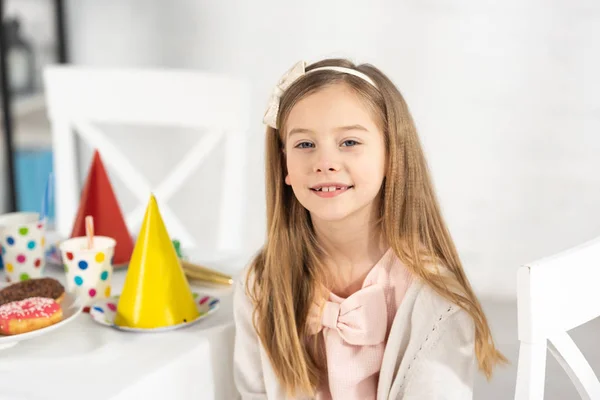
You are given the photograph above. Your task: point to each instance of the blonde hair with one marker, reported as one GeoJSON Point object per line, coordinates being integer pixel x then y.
{"type": "Point", "coordinates": [288, 270]}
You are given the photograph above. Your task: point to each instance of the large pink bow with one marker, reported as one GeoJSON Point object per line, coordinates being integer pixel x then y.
{"type": "Point", "coordinates": [361, 319]}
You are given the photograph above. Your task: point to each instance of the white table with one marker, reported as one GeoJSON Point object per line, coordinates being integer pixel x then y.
{"type": "Point", "coordinates": [84, 360]}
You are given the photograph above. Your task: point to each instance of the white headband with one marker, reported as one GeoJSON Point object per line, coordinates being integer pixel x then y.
{"type": "Point", "coordinates": [297, 71]}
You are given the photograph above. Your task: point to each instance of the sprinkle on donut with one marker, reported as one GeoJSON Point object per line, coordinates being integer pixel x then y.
{"type": "Point", "coordinates": [29, 314]}
{"type": "Point", "coordinates": [34, 307]}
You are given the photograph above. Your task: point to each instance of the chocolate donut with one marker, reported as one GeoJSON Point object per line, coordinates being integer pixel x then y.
{"type": "Point", "coordinates": [37, 287]}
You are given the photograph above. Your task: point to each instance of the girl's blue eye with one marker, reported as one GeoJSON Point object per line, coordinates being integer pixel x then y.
{"type": "Point", "coordinates": [349, 143]}
{"type": "Point", "coordinates": [304, 145]}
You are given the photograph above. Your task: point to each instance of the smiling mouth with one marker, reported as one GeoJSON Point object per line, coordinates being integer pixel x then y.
{"type": "Point", "coordinates": [331, 188]}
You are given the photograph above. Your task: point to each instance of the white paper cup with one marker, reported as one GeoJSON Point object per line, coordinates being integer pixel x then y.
{"type": "Point", "coordinates": [89, 271]}
{"type": "Point", "coordinates": [22, 236]}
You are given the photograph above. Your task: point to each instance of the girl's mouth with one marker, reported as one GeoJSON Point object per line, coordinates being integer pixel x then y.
{"type": "Point", "coordinates": [330, 191]}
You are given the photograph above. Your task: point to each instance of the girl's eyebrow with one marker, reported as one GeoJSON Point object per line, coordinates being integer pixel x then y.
{"type": "Point", "coordinates": [355, 127]}
{"type": "Point", "coordinates": [299, 130]}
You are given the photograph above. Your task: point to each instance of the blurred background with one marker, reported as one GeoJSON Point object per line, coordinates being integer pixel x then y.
{"type": "Point", "coordinates": [505, 95]}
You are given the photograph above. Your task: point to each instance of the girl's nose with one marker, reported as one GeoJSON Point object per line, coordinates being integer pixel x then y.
{"type": "Point", "coordinates": [327, 162]}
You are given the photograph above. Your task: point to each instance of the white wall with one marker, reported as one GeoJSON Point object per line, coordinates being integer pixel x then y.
{"type": "Point", "coordinates": [505, 96]}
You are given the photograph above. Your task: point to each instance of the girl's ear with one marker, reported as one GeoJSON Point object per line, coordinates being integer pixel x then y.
{"type": "Point", "coordinates": [287, 176]}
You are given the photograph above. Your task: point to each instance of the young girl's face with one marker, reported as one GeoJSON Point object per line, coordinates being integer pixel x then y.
{"type": "Point", "coordinates": [335, 154]}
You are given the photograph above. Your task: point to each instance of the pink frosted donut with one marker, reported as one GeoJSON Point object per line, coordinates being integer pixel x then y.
{"type": "Point", "coordinates": [28, 315]}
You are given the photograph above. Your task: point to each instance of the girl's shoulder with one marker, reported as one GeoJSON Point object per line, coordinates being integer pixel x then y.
{"type": "Point", "coordinates": [245, 291]}
{"type": "Point", "coordinates": [243, 281]}
{"type": "Point", "coordinates": [431, 311]}
{"type": "Point", "coordinates": [430, 345]}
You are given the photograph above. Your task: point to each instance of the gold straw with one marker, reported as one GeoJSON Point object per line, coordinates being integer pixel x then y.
{"type": "Point", "coordinates": [196, 267]}
{"type": "Point", "coordinates": [199, 272]}
{"type": "Point", "coordinates": [207, 276]}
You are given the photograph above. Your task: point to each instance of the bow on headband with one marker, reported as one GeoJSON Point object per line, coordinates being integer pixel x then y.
{"type": "Point", "coordinates": [285, 82]}
{"type": "Point", "coordinates": [298, 70]}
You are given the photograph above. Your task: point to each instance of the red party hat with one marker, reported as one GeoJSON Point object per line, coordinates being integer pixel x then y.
{"type": "Point", "coordinates": [98, 200]}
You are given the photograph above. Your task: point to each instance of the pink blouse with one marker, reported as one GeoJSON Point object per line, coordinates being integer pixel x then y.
{"type": "Point", "coordinates": [355, 331]}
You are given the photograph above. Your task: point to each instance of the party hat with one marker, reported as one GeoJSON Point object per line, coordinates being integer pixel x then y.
{"type": "Point", "coordinates": [98, 200]}
{"type": "Point", "coordinates": [156, 292]}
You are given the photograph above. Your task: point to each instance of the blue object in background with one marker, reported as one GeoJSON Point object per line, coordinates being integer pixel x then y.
{"type": "Point", "coordinates": [32, 170]}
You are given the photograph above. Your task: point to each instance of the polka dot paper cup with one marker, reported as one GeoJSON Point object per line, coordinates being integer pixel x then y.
{"type": "Point", "coordinates": [22, 237]}
{"type": "Point", "coordinates": [88, 271]}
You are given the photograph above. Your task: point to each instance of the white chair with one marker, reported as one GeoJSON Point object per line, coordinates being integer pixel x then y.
{"type": "Point", "coordinates": [79, 97]}
{"type": "Point", "coordinates": [555, 295]}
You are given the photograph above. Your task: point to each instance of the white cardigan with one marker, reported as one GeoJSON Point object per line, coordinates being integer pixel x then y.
{"type": "Point", "coordinates": [429, 354]}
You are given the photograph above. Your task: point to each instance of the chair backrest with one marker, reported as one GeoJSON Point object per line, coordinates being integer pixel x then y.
{"type": "Point", "coordinates": [79, 98]}
{"type": "Point", "coordinates": [555, 295]}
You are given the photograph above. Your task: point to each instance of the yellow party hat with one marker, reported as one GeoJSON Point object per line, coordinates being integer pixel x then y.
{"type": "Point", "coordinates": [156, 292]}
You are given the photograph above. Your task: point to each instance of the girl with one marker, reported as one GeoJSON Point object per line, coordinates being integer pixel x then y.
{"type": "Point", "coordinates": [358, 292]}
